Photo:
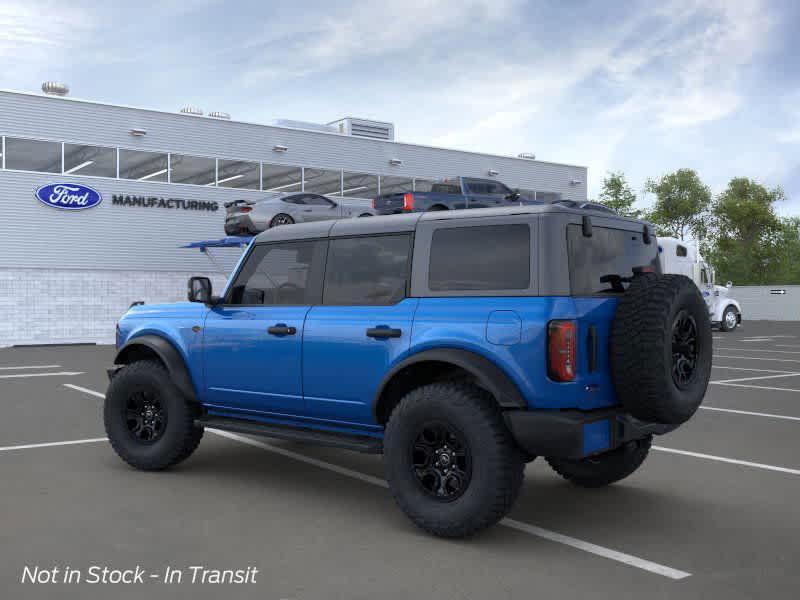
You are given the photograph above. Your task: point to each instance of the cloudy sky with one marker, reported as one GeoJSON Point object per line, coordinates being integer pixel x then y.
{"type": "Point", "coordinates": [643, 87]}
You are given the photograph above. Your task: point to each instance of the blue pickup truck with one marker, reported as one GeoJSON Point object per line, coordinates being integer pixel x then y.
{"type": "Point", "coordinates": [460, 344]}
{"type": "Point", "coordinates": [449, 194]}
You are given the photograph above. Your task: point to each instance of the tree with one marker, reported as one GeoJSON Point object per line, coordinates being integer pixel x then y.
{"type": "Point", "coordinates": [681, 206]}
{"type": "Point", "coordinates": [750, 243]}
{"type": "Point", "coordinates": [618, 195]}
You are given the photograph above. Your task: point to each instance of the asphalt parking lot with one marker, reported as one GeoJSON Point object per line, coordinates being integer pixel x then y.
{"type": "Point", "coordinates": [714, 512]}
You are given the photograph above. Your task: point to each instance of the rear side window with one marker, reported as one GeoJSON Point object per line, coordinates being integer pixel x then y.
{"type": "Point", "coordinates": [597, 263]}
{"type": "Point", "coordinates": [369, 270]}
{"type": "Point", "coordinates": [286, 273]}
{"type": "Point", "coordinates": [445, 188]}
{"type": "Point", "coordinates": [489, 257]}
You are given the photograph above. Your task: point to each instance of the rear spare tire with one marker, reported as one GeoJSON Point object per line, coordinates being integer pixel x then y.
{"type": "Point", "coordinates": [661, 348]}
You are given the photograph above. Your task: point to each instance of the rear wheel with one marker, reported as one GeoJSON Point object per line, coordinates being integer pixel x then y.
{"type": "Point", "coordinates": [281, 219]}
{"type": "Point", "coordinates": [729, 319]}
{"type": "Point", "coordinates": [451, 464]}
{"type": "Point", "coordinates": [148, 421]}
{"type": "Point", "coordinates": [603, 469]}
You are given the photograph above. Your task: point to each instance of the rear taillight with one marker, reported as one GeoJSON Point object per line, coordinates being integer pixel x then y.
{"type": "Point", "coordinates": [246, 209]}
{"type": "Point", "coordinates": [374, 203]}
{"type": "Point", "coordinates": [408, 201]}
{"type": "Point", "coordinates": [561, 350]}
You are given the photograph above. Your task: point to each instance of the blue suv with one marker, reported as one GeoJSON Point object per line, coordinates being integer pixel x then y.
{"type": "Point", "coordinates": [460, 344]}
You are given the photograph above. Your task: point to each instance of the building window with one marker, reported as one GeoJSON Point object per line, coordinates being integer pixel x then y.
{"type": "Point", "coordinates": [280, 178]}
{"type": "Point", "coordinates": [144, 166]}
{"type": "Point", "coordinates": [195, 170]}
{"type": "Point", "coordinates": [322, 181]}
{"type": "Point", "coordinates": [396, 185]}
{"type": "Point", "coordinates": [460, 261]}
{"type": "Point", "coordinates": [238, 174]}
{"type": "Point", "coordinates": [368, 270]}
{"type": "Point", "coordinates": [360, 185]}
{"type": "Point", "coordinates": [96, 161]}
{"type": "Point", "coordinates": [33, 155]}
{"type": "Point", "coordinates": [423, 185]}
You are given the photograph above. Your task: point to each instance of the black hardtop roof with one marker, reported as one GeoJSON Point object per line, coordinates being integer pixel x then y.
{"type": "Point", "coordinates": [408, 222]}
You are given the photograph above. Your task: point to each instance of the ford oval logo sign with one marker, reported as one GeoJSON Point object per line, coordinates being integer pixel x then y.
{"type": "Point", "coordinates": [68, 196]}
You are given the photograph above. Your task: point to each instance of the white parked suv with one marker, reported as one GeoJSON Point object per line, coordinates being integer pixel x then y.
{"type": "Point", "coordinates": [682, 258]}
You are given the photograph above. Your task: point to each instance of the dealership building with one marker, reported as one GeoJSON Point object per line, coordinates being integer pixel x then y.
{"type": "Point", "coordinates": [159, 180]}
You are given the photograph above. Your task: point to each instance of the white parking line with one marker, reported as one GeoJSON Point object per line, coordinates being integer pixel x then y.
{"type": "Point", "coordinates": [755, 378]}
{"type": "Point", "coordinates": [30, 367]}
{"type": "Point", "coordinates": [553, 536]}
{"type": "Point", "coordinates": [21, 375]}
{"type": "Point", "coordinates": [751, 413]}
{"type": "Point", "coordinates": [756, 387]}
{"type": "Point", "coordinates": [791, 360]}
{"type": "Point", "coordinates": [732, 461]}
{"type": "Point", "coordinates": [51, 444]}
{"type": "Point", "coordinates": [750, 369]}
{"type": "Point", "coordinates": [757, 350]}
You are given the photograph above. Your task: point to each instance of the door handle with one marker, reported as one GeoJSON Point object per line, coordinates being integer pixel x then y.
{"type": "Point", "coordinates": [307, 210]}
{"type": "Point", "coordinates": [383, 332]}
{"type": "Point", "coordinates": [281, 329]}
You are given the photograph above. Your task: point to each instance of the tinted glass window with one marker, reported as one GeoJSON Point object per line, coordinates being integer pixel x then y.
{"type": "Point", "coordinates": [33, 155]}
{"type": "Point", "coordinates": [367, 270]}
{"type": "Point", "coordinates": [144, 166]}
{"type": "Point", "coordinates": [360, 185]}
{"type": "Point", "coordinates": [609, 254]}
{"type": "Point", "coordinates": [295, 199]}
{"type": "Point", "coordinates": [238, 174]}
{"type": "Point", "coordinates": [396, 185]}
{"type": "Point", "coordinates": [680, 251]}
{"type": "Point", "coordinates": [318, 200]}
{"type": "Point", "coordinates": [90, 160]}
{"type": "Point", "coordinates": [196, 170]}
{"type": "Point", "coordinates": [280, 178]}
{"type": "Point", "coordinates": [490, 257]}
{"type": "Point", "coordinates": [323, 181]}
{"type": "Point", "coordinates": [284, 273]}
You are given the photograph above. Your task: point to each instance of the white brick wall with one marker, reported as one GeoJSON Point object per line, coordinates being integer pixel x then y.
{"type": "Point", "coordinates": [56, 306]}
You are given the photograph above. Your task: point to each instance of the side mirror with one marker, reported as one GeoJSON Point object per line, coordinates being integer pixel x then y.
{"type": "Point", "coordinates": [199, 290]}
{"type": "Point", "coordinates": [729, 285]}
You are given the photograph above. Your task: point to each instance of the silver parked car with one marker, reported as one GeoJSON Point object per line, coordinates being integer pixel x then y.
{"type": "Point", "coordinates": [249, 217]}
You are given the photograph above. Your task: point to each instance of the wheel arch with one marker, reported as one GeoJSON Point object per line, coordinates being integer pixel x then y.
{"type": "Point", "coordinates": [156, 347]}
{"type": "Point", "coordinates": [428, 365]}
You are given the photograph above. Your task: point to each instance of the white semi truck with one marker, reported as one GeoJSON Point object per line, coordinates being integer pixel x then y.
{"type": "Point", "coordinates": [679, 257]}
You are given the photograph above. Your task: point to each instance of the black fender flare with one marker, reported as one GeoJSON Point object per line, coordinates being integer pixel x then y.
{"type": "Point", "coordinates": [169, 355]}
{"type": "Point", "coordinates": [487, 374]}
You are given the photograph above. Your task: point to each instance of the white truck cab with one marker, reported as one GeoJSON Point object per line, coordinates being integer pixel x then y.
{"type": "Point", "coordinates": [682, 258]}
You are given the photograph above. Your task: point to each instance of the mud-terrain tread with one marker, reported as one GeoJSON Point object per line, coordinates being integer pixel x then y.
{"type": "Point", "coordinates": [507, 467]}
{"type": "Point", "coordinates": [181, 423]}
{"type": "Point", "coordinates": [605, 469]}
{"type": "Point", "coordinates": [638, 346]}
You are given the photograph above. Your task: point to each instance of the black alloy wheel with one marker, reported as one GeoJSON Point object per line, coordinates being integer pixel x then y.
{"type": "Point", "coordinates": [145, 416]}
{"type": "Point", "coordinates": [441, 461]}
{"type": "Point", "coordinates": [684, 349]}
{"type": "Point", "coordinates": [281, 219]}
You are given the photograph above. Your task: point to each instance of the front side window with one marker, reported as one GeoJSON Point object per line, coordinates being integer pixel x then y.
{"type": "Point", "coordinates": [33, 155]}
{"type": "Point", "coordinates": [286, 273]}
{"type": "Point", "coordinates": [680, 251]}
{"type": "Point", "coordinates": [487, 257]}
{"type": "Point", "coordinates": [318, 200]}
{"type": "Point", "coordinates": [602, 263]}
{"type": "Point", "coordinates": [369, 270]}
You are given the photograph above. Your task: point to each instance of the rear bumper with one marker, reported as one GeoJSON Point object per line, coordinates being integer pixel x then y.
{"type": "Point", "coordinates": [239, 224]}
{"type": "Point", "coordinates": [575, 434]}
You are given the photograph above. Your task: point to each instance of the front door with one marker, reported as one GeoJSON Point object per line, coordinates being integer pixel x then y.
{"type": "Point", "coordinates": [318, 208]}
{"type": "Point", "coordinates": [362, 326]}
{"type": "Point", "coordinates": [253, 340]}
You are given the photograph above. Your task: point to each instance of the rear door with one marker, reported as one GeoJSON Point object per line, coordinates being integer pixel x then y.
{"type": "Point", "coordinates": [362, 326]}
{"type": "Point", "coordinates": [253, 341]}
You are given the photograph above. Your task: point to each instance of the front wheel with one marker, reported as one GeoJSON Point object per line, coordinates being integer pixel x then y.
{"type": "Point", "coordinates": [729, 319]}
{"type": "Point", "coordinates": [451, 463]}
{"type": "Point", "coordinates": [603, 469]}
{"type": "Point", "coordinates": [148, 421]}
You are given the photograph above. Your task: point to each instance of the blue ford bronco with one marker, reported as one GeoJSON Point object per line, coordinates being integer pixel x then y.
{"type": "Point", "coordinates": [460, 344]}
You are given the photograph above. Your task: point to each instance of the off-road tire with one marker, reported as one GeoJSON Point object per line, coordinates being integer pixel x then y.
{"type": "Point", "coordinates": [723, 326]}
{"type": "Point", "coordinates": [180, 436]}
{"type": "Point", "coordinates": [603, 469]}
{"type": "Point", "coordinates": [642, 348]}
{"type": "Point", "coordinates": [497, 465]}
